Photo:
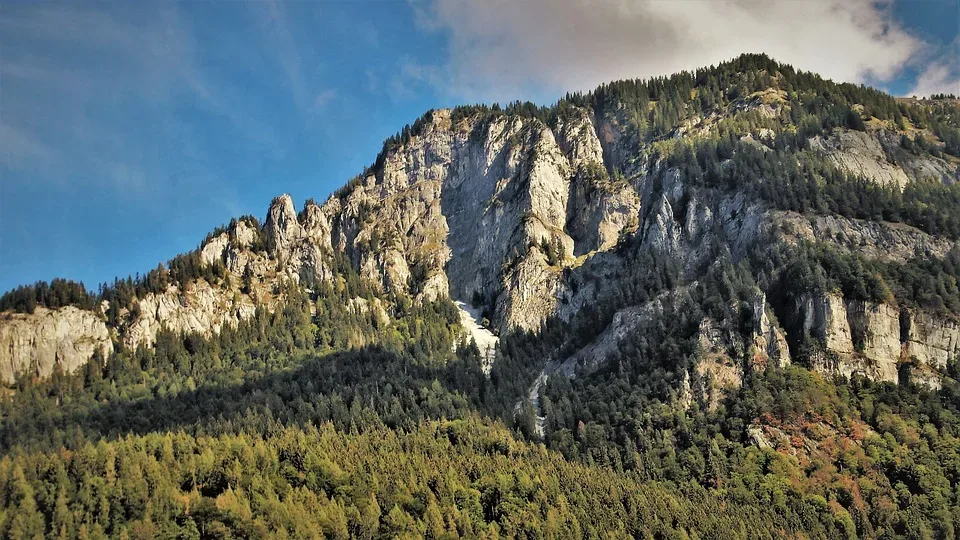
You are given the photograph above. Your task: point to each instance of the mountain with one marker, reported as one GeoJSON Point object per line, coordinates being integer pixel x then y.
{"type": "Point", "coordinates": [677, 280]}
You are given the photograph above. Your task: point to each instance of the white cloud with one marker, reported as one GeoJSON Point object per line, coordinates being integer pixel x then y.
{"type": "Point", "coordinates": [942, 74]}
{"type": "Point", "coordinates": [500, 48]}
{"type": "Point", "coordinates": [412, 75]}
{"type": "Point", "coordinates": [288, 54]}
{"type": "Point", "coordinates": [937, 79]}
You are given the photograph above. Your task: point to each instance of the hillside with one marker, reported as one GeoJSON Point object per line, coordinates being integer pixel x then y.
{"type": "Point", "coordinates": [732, 291]}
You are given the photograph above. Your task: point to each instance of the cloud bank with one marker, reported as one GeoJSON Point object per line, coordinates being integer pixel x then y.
{"type": "Point", "coordinates": [500, 48]}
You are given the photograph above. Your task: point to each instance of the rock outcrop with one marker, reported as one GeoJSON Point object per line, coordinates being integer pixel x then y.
{"type": "Point", "coordinates": [200, 308]}
{"type": "Point", "coordinates": [860, 153]}
{"type": "Point", "coordinates": [824, 317]}
{"type": "Point", "coordinates": [769, 344]}
{"type": "Point", "coordinates": [931, 340]}
{"type": "Point", "coordinates": [876, 155]}
{"type": "Point", "coordinates": [873, 239]}
{"type": "Point", "coordinates": [875, 340]}
{"type": "Point", "coordinates": [719, 362]}
{"type": "Point", "coordinates": [474, 331]}
{"type": "Point", "coordinates": [35, 344]}
{"type": "Point", "coordinates": [476, 209]}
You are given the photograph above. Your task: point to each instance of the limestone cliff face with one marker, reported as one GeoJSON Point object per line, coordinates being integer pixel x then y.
{"type": "Point", "coordinates": [34, 344]}
{"type": "Point", "coordinates": [718, 363]}
{"type": "Point", "coordinates": [858, 152]}
{"type": "Point", "coordinates": [473, 207]}
{"type": "Point", "coordinates": [627, 321]}
{"type": "Point", "coordinates": [769, 340]}
{"type": "Point", "coordinates": [693, 224]}
{"type": "Point", "coordinates": [724, 353]}
{"type": "Point", "coordinates": [877, 156]}
{"type": "Point", "coordinates": [199, 308]}
{"type": "Point", "coordinates": [480, 208]}
{"type": "Point", "coordinates": [255, 278]}
{"type": "Point", "coordinates": [599, 207]}
{"type": "Point", "coordinates": [825, 318]}
{"type": "Point", "coordinates": [875, 339]}
{"type": "Point", "coordinates": [873, 239]}
{"type": "Point", "coordinates": [933, 341]}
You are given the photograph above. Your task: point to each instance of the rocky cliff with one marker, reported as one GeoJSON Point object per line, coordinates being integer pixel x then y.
{"type": "Point", "coordinates": [876, 340]}
{"type": "Point", "coordinates": [532, 216]}
{"type": "Point", "coordinates": [38, 343]}
{"type": "Point", "coordinates": [879, 157]}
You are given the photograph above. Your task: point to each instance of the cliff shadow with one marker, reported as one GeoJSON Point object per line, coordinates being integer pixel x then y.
{"type": "Point", "coordinates": [353, 389]}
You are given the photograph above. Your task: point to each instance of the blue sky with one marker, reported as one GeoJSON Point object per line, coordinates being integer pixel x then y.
{"type": "Point", "coordinates": [129, 130]}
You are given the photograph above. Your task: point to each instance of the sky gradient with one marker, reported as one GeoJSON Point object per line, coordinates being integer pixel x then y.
{"type": "Point", "coordinates": [129, 130]}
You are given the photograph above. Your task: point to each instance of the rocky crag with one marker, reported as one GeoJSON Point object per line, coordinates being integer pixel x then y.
{"type": "Point", "coordinates": [527, 218]}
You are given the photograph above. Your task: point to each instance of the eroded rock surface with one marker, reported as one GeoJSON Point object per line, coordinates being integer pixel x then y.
{"type": "Point", "coordinates": [874, 340]}
{"type": "Point", "coordinates": [35, 343]}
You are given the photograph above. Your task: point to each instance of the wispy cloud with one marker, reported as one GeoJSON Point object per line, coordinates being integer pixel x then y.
{"type": "Point", "coordinates": [323, 99]}
{"type": "Point", "coordinates": [286, 48]}
{"type": "Point", "coordinates": [20, 149]}
{"type": "Point", "coordinates": [109, 93]}
{"type": "Point", "coordinates": [412, 76]}
{"type": "Point", "coordinates": [301, 75]}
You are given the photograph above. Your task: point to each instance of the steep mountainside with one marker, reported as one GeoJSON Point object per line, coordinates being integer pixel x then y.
{"type": "Point", "coordinates": [508, 210]}
{"type": "Point", "coordinates": [656, 245]}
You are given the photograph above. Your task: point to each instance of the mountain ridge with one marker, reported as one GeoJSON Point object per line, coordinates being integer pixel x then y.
{"type": "Point", "coordinates": [504, 209]}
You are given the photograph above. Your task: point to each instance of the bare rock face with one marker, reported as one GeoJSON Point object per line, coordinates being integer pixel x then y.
{"type": "Point", "coordinates": [718, 365]}
{"type": "Point", "coordinates": [825, 318]}
{"type": "Point", "coordinates": [281, 228]}
{"type": "Point", "coordinates": [465, 210]}
{"type": "Point", "coordinates": [34, 344]}
{"type": "Point", "coordinates": [861, 153]}
{"type": "Point", "coordinates": [600, 207]}
{"type": "Point", "coordinates": [917, 167]}
{"type": "Point", "coordinates": [862, 339]}
{"type": "Point", "coordinates": [875, 329]}
{"type": "Point", "coordinates": [663, 232]}
{"type": "Point", "coordinates": [254, 279]}
{"type": "Point", "coordinates": [529, 218]}
{"type": "Point", "coordinates": [627, 321]}
{"type": "Point", "coordinates": [721, 352]}
{"type": "Point", "coordinates": [769, 341]}
{"type": "Point", "coordinates": [873, 239]}
{"type": "Point", "coordinates": [214, 250]}
{"type": "Point", "coordinates": [230, 247]}
{"type": "Point", "coordinates": [200, 308]}
{"type": "Point", "coordinates": [877, 156]}
{"type": "Point", "coordinates": [932, 341]}
{"type": "Point", "coordinates": [873, 340]}
{"type": "Point", "coordinates": [298, 249]}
